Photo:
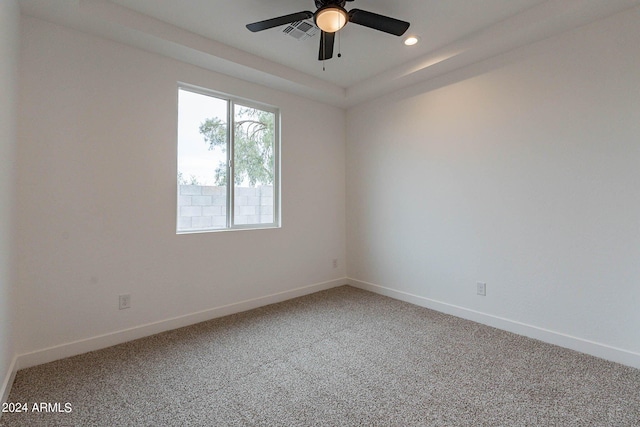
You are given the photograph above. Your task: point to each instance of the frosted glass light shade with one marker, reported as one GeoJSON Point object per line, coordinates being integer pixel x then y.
{"type": "Point", "coordinates": [331, 18]}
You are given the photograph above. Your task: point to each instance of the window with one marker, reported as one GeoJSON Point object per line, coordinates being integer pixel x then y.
{"type": "Point", "coordinates": [221, 137]}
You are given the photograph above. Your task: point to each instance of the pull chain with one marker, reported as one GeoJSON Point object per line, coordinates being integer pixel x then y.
{"type": "Point", "coordinates": [324, 48]}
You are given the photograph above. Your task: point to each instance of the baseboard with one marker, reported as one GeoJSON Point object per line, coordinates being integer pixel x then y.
{"type": "Point", "coordinates": [592, 348]}
{"type": "Point", "coordinates": [8, 382]}
{"type": "Point", "coordinates": [107, 340]}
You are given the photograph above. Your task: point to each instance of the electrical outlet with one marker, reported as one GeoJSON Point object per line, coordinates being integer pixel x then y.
{"type": "Point", "coordinates": [335, 263]}
{"type": "Point", "coordinates": [124, 301]}
{"type": "Point", "coordinates": [482, 288]}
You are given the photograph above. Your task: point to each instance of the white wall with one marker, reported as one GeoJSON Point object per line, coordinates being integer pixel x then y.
{"type": "Point", "coordinates": [9, 53]}
{"type": "Point", "coordinates": [97, 135]}
{"type": "Point", "coordinates": [522, 172]}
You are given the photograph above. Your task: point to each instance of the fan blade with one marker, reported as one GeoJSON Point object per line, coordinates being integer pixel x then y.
{"type": "Point", "coordinates": [326, 45]}
{"type": "Point", "coordinates": [281, 20]}
{"type": "Point", "coordinates": [378, 22]}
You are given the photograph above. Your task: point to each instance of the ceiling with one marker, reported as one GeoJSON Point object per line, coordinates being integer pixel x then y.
{"type": "Point", "coordinates": [212, 34]}
{"type": "Point", "coordinates": [365, 52]}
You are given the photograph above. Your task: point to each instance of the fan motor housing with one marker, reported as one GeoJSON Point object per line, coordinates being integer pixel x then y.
{"type": "Point", "coordinates": [322, 3]}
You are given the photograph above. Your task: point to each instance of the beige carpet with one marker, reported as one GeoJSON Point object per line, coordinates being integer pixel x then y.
{"type": "Point", "coordinates": [342, 357]}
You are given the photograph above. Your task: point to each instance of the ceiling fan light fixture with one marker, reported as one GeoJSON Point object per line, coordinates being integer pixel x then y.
{"type": "Point", "coordinates": [331, 18]}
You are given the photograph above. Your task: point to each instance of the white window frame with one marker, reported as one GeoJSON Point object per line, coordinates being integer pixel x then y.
{"type": "Point", "coordinates": [231, 102]}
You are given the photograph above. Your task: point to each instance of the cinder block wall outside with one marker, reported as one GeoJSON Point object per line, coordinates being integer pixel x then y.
{"type": "Point", "coordinates": [203, 207]}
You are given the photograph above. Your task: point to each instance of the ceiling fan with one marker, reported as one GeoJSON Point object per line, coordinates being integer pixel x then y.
{"type": "Point", "coordinates": [330, 17]}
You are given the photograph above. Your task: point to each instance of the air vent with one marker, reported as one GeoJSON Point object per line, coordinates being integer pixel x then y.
{"type": "Point", "coordinates": [301, 30]}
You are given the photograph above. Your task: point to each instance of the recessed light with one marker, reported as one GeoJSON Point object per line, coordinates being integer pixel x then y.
{"type": "Point", "coordinates": [411, 40]}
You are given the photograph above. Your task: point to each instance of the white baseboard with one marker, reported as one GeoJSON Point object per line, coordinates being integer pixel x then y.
{"type": "Point", "coordinates": [8, 381]}
{"type": "Point", "coordinates": [592, 348]}
{"type": "Point", "coordinates": [107, 340]}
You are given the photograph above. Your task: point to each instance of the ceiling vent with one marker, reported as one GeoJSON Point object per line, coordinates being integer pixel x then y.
{"type": "Point", "coordinates": [301, 30]}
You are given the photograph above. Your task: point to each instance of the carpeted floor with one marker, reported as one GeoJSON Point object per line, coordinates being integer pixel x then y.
{"type": "Point", "coordinates": [342, 357]}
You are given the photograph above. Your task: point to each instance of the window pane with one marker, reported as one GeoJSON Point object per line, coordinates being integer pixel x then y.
{"type": "Point", "coordinates": [202, 162]}
{"type": "Point", "coordinates": [227, 162]}
{"type": "Point", "coordinates": [253, 165]}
